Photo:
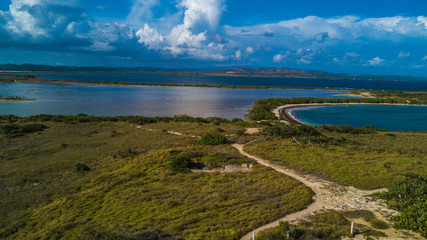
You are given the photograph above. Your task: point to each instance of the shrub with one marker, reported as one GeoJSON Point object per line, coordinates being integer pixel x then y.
{"type": "Point", "coordinates": [286, 131]}
{"type": "Point", "coordinates": [214, 160]}
{"type": "Point", "coordinates": [408, 196]}
{"type": "Point", "coordinates": [80, 167]}
{"type": "Point", "coordinates": [379, 224]}
{"type": "Point", "coordinates": [212, 138]}
{"type": "Point", "coordinates": [16, 130]}
{"type": "Point", "coordinates": [181, 163]}
{"type": "Point", "coordinates": [284, 227]}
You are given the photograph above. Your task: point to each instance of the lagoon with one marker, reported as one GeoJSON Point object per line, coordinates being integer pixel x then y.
{"type": "Point", "coordinates": [105, 100]}
{"type": "Point", "coordinates": [390, 117]}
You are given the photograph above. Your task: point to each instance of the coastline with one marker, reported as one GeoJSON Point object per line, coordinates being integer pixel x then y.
{"type": "Point", "coordinates": [36, 80]}
{"type": "Point", "coordinates": [280, 112]}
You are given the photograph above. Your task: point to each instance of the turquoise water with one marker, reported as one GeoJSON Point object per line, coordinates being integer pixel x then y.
{"type": "Point", "coordinates": [147, 101]}
{"type": "Point", "coordinates": [408, 85]}
{"type": "Point", "coordinates": [397, 117]}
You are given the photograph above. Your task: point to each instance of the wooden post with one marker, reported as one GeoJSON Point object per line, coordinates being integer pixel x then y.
{"type": "Point", "coordinates": [352, 228]}
{"type": "Point", "coordinates": [253, 235]}
{"type": "Point", "coordinates": [287, 234]}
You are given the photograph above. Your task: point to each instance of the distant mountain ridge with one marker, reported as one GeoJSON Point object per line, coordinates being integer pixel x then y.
{"type": "Point", "coordinates": [272, 71]}
{"type": "Point", "coordinates": [284, 72]}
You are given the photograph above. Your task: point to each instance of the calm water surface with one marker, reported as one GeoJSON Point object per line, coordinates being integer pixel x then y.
{"type": "Point", "coordinates": [409, 118]}
{"type": "Point", "coordinates": [101, 100]}
{"type": "Point", "coordinates": [412, 85]}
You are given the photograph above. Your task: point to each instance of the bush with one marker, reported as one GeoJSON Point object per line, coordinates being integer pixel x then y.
{"type": "Point", "coordinates": [286, 131]}
{"type": "Point", "coordinates": [80, 167]}
{"type": "Point", "coordinates": [212, 138]}
{"type": "Point", "coordinates": [408, 196]}
{"type": "Point", "coordinates": [181, 163]}
{"type": "Point", "coordinates": [214, 160]}
{"type": "Point", "coordinates": [379, 224]}
{"type": "Point", "coordinates": [16, 130]}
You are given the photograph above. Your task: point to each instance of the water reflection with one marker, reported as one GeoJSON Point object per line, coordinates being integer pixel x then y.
{"type": "Point", "coordinates": [104, 100]}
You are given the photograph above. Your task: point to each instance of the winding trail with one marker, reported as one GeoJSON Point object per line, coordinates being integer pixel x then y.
{"type": "Point", "coordinates": [315, 206]}
{"type": "Point", "coordinates": [329, 195]}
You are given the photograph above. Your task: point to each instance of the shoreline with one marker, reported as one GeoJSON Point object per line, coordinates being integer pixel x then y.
{"type": "Point", "coordinates": [283, 116]}
{"type": "Point", "coordinates": [37, 80]}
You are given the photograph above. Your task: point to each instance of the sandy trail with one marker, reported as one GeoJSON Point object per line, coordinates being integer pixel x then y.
{"type": "Point", "coordinates": [329, 195]}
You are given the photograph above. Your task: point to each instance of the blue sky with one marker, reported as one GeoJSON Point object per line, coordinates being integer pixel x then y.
{"type": "Point", "coordinates": [353, 37]}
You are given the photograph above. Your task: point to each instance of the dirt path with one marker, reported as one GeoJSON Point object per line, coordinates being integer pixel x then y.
{"type": "Point", "coordinates": [330, 195]}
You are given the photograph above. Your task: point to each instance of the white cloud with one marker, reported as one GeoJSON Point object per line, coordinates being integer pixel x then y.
{"type": "Point", "coordinates": [44, 19]}
{"type": "Point", "coordinates": [422, 21]}
{"type": "Point", "coordinates": [250, 50]}
{"type": "Point", "coordinates": [277, 58]}
{"type": "Point", "coordinates": [141, 11]}
{"type": "Point", "coordinates": [318, 32]}
{"type": "Point", "coordinates": [149, 36]}
{"type": "Point", "coordinates": [376, 61]}
{"type": "Point", "coordinates": [238, 54]}
{"type": "Point", "coordinates": [404, 54]}
{"type": "Point", "coordinates": [197, 14]}
{"type": "Point", "coordinates": [352, 55]}
{"type": "Point", "coordinates": [425, 58]}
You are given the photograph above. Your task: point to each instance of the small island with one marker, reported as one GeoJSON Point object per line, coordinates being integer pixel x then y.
{"type": "Point", "coordinates": [15, 98]}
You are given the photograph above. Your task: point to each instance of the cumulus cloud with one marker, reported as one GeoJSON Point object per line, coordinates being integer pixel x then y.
{"type": "Point", "coordinates": [44, 19]}
{"type": "Point", "coordinates": [250, 50]}
{"type": "Point", "coordinates": [316, 31]}
{"type": "Point", "coordinates": [376, 61]}
{"type": "Point", "coordinates": [277, 58]}
{"type": "Point", "coordinates": [190, 31]}
{"type": "Point", "coordinates": [404, 54]}
{"type": "Point", "coordinates": [352, 55]}
{"type": "Point", "coordinates": [238, 54]}
{"type": "Point", "coordinates": [149, 36]}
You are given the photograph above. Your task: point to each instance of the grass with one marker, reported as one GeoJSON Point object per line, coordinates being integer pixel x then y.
{"type": "Point", "coordinates": [367, 161]}
{"type": "Point", "coordinates": [110, 180]}
{"type": "Point", "coordinates": [328, 224]}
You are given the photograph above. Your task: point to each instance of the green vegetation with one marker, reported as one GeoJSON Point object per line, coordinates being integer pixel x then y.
{"type": "Point", "coordinates": [85, 178]}
{"type": "Point", "coordinates": [366, 160]}
{"type": "Point", "coordinates": [14, 98]}
{"type": "Point", "coordinates": [16, 130]}
{"type": "Point", "coordinates": [83, 118]}
{"type": "Point", "coordinates": [326, 225]}
{"type": "Point", "coordinates": [212, 138]}
{"type": "Point", "coordinates": [262, 109]}
{"type": "Point", "coordinates": [379, 224]}
{"type": "Point", "coordinates": [409, 197]}
{"type": "Point", "coordinates": [402, 96]}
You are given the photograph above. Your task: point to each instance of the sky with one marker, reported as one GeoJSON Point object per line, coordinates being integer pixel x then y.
{"type": "Point", "coordinates": [361, 37]}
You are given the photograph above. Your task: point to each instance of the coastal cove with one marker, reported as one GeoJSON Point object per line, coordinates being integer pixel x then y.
{"type": "Point", "coordinates": [389, 117]}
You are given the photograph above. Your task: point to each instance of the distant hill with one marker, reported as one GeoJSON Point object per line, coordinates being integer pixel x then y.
{"type": "Point", "coordinates": [280, 72]}
{"type": "Point", "coordinates": [247, 72]}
